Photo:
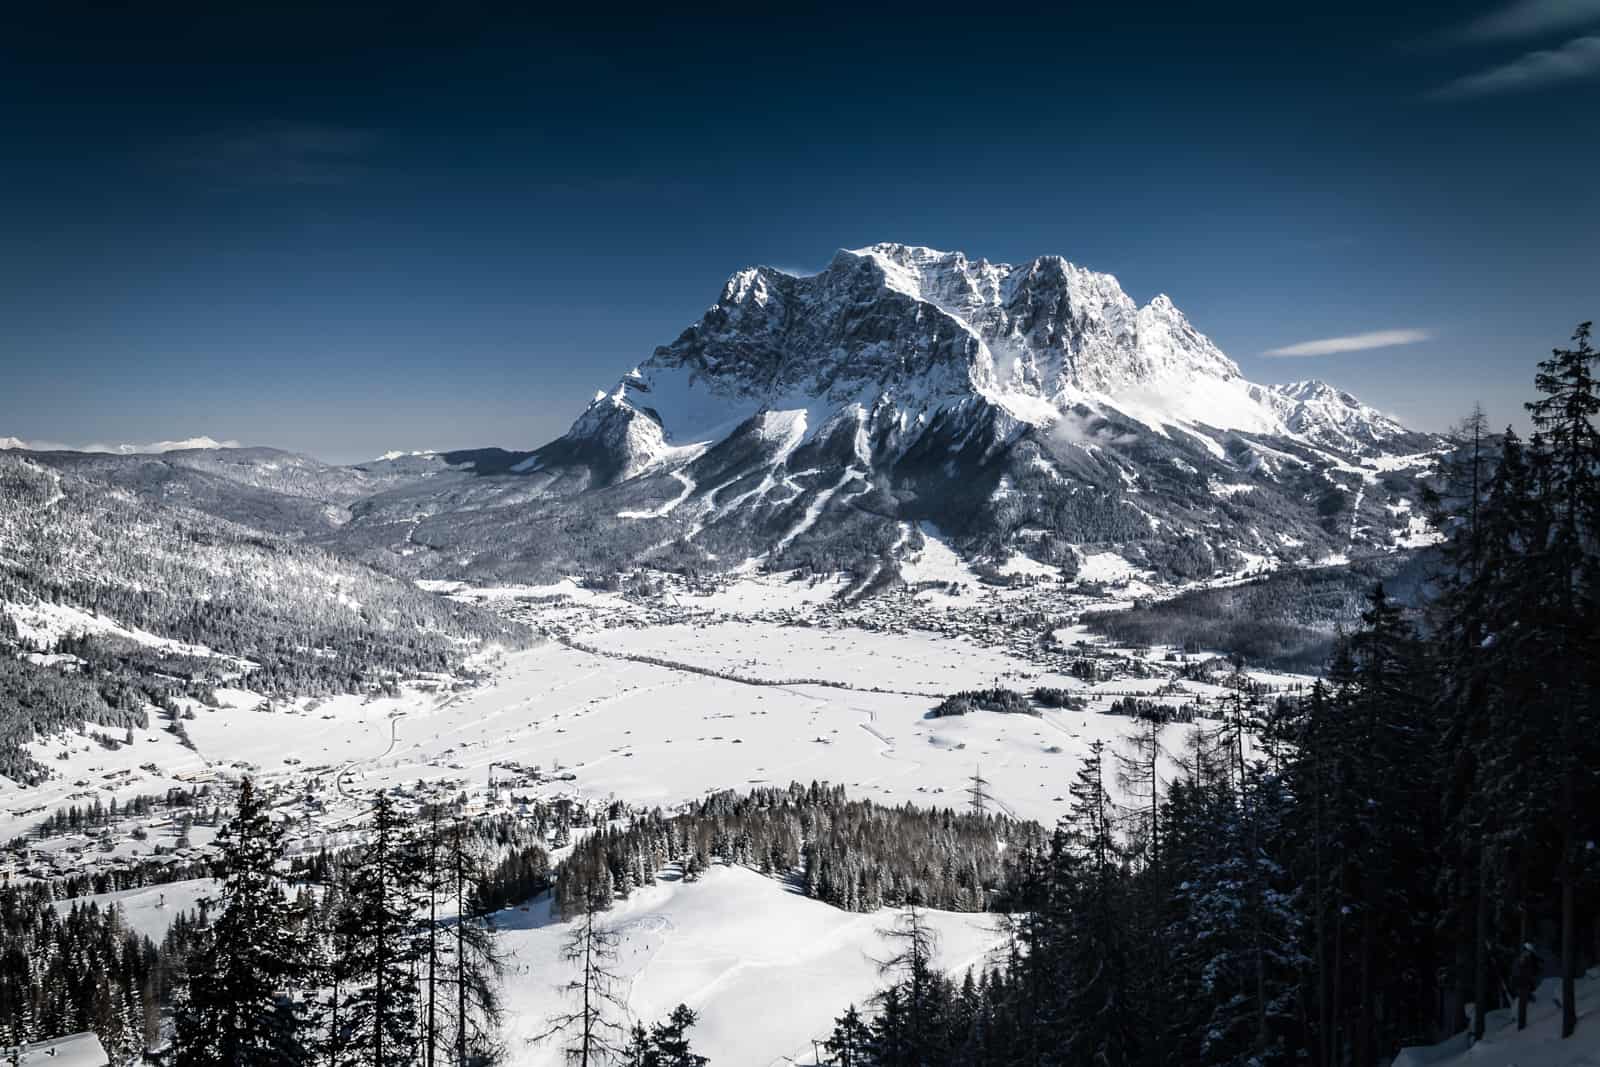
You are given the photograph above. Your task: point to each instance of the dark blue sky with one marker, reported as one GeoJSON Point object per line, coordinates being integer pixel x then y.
{"type": "Point", "coordinates": [345, 228]}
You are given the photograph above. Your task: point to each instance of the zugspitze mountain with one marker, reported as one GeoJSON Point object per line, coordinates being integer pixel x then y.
{"type": "Point", "coordinates": [890, 337]}
{"type": "Point", "coordinates": [835, 420]}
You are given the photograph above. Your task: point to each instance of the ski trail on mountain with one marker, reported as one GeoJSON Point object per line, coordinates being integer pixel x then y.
{"type": "Point", "coordinates": [814, 511]}
{"type": "Point", "coordinates": [667, 508]}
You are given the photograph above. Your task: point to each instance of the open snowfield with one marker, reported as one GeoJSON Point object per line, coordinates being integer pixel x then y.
{"type": "Point", "coordinates": [641, 732]}
{"type": "Point", "coordinates": [656, 735]}
{"type": "Point", "coordinates": [766, 968]}
{"type": "Point", "coordinates": [922, 663]}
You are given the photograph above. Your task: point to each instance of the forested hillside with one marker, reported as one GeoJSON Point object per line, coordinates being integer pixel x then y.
{"type": "Point", "coordinates": [1287, 619]}
{"type": "Point", "coordinates": [1378, 865]}
{"type": "Point", "coordinates": [153, 601]}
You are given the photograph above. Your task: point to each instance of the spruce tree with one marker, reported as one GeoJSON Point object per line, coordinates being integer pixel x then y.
{"type": "Point", "coordinates": [387, 943]}
{"type": "Point", "coordinates": [1565, 419]}
{"type": "Point", "coordinates": [850, 1045]}
{"type": "Point", "coordinates": [237, 1005]}
{"type": "Point", "coordinates": [670, 1040]}
{"type": "Point", "coordinates": [1096, 1017]}
{"type": "Point", "coordinates": [640, 1050]}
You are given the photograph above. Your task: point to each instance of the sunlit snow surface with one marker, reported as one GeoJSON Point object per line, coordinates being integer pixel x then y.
{"type": "Point", "coordinates": [766, 968]}
{"type": "Point", "coordinates": [733, 698]}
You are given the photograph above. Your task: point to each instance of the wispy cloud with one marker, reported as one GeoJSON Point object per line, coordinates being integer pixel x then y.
{"type": "Point", "coordinates": [1527, 18]}
{"type": "Point", "coordinates": [1358, 342]}
{"type": "Point", "coordinates": [1577, 59]}
{"type": "Point", "coordinates": [279, 153]}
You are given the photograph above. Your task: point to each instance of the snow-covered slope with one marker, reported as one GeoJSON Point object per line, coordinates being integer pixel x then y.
{"type": "Point", "coordinates": [1318, 412]}
{"type": "Point", "coordinates": [766, 969]}
{"type": "Point", "coordinates": [1540, 1045]}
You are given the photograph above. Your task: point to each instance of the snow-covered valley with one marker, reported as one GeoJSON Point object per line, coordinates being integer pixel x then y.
{"type": "Point", "coordinates": [654, 701]}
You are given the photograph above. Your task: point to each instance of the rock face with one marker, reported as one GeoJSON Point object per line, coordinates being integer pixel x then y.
{"type": "Point", "coordinates": [833, 420]}
{"type": "Point", "coordinates": [898, 339]}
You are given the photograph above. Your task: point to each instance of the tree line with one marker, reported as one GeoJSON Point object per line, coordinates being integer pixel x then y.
{"type": "Point", "coordinates": [853, 854]}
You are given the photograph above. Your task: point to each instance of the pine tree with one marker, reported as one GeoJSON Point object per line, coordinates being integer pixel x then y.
{"type": "Point", "coordinates": [1089, 960]}
{"type": "Point", "coordinates": [850, 1045]}
{"type": "Point", "coordinates": [237, 1006]}
{"type": "Point", "coordinates": [383, 907]}
{"type": "Point", "coordinates": [670, 1040]}
{"type": "Point", "coordinates": [1565, 418]}
{"type": "Point", "coordinates": [640, 1050]}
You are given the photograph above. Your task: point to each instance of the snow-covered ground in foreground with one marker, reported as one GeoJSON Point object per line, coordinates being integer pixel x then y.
{"type": "Point", "coordinates": [766, 968]}
{"type": "Point", "coordinates": [1540, 1045]}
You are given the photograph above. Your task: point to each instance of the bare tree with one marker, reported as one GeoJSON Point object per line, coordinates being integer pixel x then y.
{"type": "Point", "coordinates": [910, 969]}
{"type": "Point", "coordinates": [1138, 773]}
{"type": "Point", "coordinates": [591, 1029]}
{"type": "Point", "coordinates": [477, 966]}
{"type": "Point", "coordinates": [463, 963]}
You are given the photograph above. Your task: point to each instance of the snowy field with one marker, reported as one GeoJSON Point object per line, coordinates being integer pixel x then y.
{"type": "Point", "coordinates": [921, 663]}
{"type": "Point", "coordinates": [766, 968]}
{"type": "Point", "coordinates": [655, 735]}
{"type": "Point", "coordinates": [641, 732]}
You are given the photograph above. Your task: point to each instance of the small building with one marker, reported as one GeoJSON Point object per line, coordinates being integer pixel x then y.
{"type": "Point", "coordinates": [74, 1050]}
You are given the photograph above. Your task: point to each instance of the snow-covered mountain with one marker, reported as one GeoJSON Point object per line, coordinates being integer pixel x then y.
{"type": "Point", "coordinates": [835, 420]}
{"type": "Point", "coordinates": [826, 419]}
{"type": "Point", "coordinates": [122, 449]}
{"type": "Point", "coordinates": [894, 337]}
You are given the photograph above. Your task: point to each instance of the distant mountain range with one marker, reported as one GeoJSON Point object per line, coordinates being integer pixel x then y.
{"type": "Point", "coordinates": [835, 420]}
{"type": "Point", "coordinates": [17, 444]}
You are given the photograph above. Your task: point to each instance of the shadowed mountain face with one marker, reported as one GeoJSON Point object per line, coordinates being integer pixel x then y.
{"type": "Point", "coordinates": [823, 420]}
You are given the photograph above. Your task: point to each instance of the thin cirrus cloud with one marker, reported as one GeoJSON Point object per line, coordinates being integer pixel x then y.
{"type": "Point", "coordinates": [1579, 58]}
{"type": "Point", "coordinates": [1358, 342]}
{"type": "Point", "coordinates": [1527, 18]}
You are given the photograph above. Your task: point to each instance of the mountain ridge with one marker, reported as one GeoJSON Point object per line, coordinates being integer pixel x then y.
{"type": "Point", "coordinates": [917, 328]}
{"type": "Point", "coordinates": [825, 421]}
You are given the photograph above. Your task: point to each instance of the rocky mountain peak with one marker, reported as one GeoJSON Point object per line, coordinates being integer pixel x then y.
{"type": "Point", "coordinates": [891, 339]}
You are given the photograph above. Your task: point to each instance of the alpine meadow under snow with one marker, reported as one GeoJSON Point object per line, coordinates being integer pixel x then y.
{"type": "Point", "coordinates": [922, 662]}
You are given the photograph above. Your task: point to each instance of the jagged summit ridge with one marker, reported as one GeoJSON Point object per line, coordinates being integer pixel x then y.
{"type": "Point", "coordinates": [892, 335]}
